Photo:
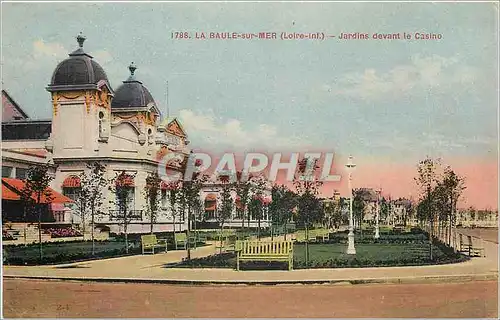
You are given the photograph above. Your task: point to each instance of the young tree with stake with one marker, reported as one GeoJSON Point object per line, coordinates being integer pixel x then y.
{"type": "Point", "coordinates": [152, 195]}
{"type": "Point", "coordinates": [121, 185]}
{"type": "Point", "coordinates": [90, 196]}
{"type": "Point", "coordinates": [35, 193]}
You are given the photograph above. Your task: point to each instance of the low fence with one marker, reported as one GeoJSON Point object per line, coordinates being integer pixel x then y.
{"type": "Point", "coordinates": [459, 241]}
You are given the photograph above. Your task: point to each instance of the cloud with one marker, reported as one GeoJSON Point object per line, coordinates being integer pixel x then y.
{"type": "Point", "coordinates": [423, 73]}
{"type": "Point", "coordinates": [102, 56]}
{"type": "Point", "coordinates": [42, 50]}
{"type": "Point", "coordinates": [210, 131]}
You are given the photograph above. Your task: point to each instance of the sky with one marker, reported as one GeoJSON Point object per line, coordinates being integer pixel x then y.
{"type": "Point", "coordinates": [389, 103]}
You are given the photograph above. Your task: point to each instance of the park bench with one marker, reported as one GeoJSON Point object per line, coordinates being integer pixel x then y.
{"type": "Point", "coordinates": [180, 240]}
{"type": "Point", "coordinates": [469, 248]}
{"type": "Point", "coordinates": [264, 251]}
{"type": "Point", "coordinates": [227, 244]}
{"type": "Point", "coordinates": [322, 234]}
{"type": "Point", "coordinates": [300, 235]}
{"type": "Point", "coordinates": [197, 237]}
{"type": "Point", "coordinates": [149, 241]}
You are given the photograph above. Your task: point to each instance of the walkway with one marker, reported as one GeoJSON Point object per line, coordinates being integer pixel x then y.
{"type": "Point", "coordinates": [149, 268]}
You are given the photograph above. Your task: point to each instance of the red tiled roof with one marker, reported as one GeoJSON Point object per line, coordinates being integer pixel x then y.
{"type": "Point", "coordinates": [41, 153]}
{"type": "Point", "coordinates": [18, 185]}
{"type": "Point", "coordinates": [8, 194]}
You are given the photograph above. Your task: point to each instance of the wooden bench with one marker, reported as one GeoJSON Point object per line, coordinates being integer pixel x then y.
{"type": "Point", "coordinates": [469, 248]}
{"type": "Point", "coordinates": [149, 241]}
{"type": "Point", "coordinates": [264, 251]}
{"type": "Point", "coordinates": [322, 235]}
{"type": "Point", "coordinates": [300, 235]}
{"type": "Point", "coordinates": [180, 240]}
{"type": "Point", "coordinates": [227, 244]}
{"type": "Point", "coordinates": [197, 237]}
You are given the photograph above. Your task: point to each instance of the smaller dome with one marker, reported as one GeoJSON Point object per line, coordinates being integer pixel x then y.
{"type": "Point", "coordinates": [132, 93]}
{"type": "Point", "coordinates": [78, 70]}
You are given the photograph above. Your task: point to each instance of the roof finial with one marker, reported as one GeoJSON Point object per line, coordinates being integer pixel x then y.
{"type": "Point", "coordinates": [132, 68]}
{"type": "Point", "coordinates": [81, 39]}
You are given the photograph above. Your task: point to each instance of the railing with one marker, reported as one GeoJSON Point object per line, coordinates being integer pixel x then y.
{"type": "Point", "coordinates": [132, 215]}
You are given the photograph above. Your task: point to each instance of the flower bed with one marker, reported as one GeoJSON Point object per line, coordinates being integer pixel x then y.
{"type": "Point", "coordinates": [62, 232]}
{"type": "Point", "coordinates": [6, 236]}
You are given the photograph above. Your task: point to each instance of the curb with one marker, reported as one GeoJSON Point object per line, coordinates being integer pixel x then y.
{"type": "Point", "coordinates": [393, 280]}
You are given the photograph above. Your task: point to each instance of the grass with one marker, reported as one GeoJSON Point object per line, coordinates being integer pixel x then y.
{"type": "Point", "coordinates": [372, 252]}
{"type": "Point", "coordinates": [332, 255]}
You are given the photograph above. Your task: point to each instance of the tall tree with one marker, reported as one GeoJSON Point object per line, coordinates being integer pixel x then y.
{"type": "Point", "coordinates": [359, 205]}
{"type": "Point", "coordinates": [333, 211]}
{"type": "Point", "coordinates": [256, 206]}
{"type": "Point", "coordinates": [189, 197]}
{"type": "Point", "coordinates": [122, 186]}
{"type": "Point", "coordinates": [426, 179]}
{"type": "Point", "coordinates": [282, 205]}
{"type": "Point", "coordinates": [173, 189]}
{"type": "Point", "coordinates": [35, 193]}
{"type": "Point", "coordinates": [152, 195]}
{"type": "Point", "coordinates": [226, 206]}
{"type": "Point", "coordinates": [307, 188]}
{"type": "Point", "coordinates": [242, 189]}
{"type": "Point", "coordinates": [453, 186]}
{"type": "Point", "coordinates": [90, 195]}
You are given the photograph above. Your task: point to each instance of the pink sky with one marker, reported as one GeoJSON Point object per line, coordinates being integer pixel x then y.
{"type": "Point", "coordinates": [397, 180]}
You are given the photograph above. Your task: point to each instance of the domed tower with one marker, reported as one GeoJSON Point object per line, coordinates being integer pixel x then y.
{"type": "Point", "coordinates": [81, 101]}
{"type": "Point", "coordinates": [133, 104]}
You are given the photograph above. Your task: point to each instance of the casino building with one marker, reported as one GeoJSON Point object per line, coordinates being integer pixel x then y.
{"type": "Point", "coordinates": [120, 128]}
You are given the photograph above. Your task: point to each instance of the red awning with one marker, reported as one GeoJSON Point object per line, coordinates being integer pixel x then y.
{"type": "Point", "coordinates": [124, 180]}
{"type": "Point", "coordinates": [18, 185]}
{"type": "Point", "coordinates": [72, 182]}
{"type": "Point", "coordinates": [238, 203]}
{"type": "Point", "coordinates": [169, 185]}
{"type": "Point", "coordinates": [8, 194]}
{"type": "Point", "coordinates": [211, 202]}
{"type": "Point", "coordinates": [211, 197]}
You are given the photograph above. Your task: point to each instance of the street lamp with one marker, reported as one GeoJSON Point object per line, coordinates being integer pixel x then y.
{"type": "Point", "coordinates": [377, 235]}
{"type": "Point", "coordinates": [350, 237]}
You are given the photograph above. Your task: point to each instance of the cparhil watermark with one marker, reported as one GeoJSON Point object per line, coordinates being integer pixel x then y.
{"type": "Point", "coordinates": [312, 166]}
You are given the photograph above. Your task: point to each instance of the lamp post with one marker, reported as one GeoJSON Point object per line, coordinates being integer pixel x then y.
{"type": "Point", "coordinates": [377, 235]}
{"type": "Point", "coordinates": [350, 237]}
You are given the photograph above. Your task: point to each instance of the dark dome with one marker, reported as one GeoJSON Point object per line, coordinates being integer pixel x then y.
{"type": "Point", "coordinates": [132, 93]}
{"type": "Point", "coordinates": [78, 69]}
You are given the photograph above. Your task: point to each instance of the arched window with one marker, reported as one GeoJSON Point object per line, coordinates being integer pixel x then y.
{"type": "Point", "coordinates": [101, 119]}
{"type": "Point", "coordinates": [210, 205]}
{"type": "Point", "coordinates": [125, 192]}
{"type": "Point", "coordinates": [71, 187]}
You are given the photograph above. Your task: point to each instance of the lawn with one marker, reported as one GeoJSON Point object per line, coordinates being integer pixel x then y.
{"type": "Point", "coordinates": [332, 255]}
{"type": "Point", "coordinates": [371, 254]}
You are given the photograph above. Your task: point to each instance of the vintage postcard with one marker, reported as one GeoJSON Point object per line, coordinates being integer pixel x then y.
{"type": "Point", "coordinates": [191, 159]}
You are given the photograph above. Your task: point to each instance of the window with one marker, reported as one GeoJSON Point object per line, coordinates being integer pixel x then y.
{"type": "Point", "coordinates": [21, 173]}
{"type": "Point", "coordinates": [101, 117]}
{"type": "Point", "coordinates": [72, 192]}
{"type": "Point", "coordinates": [164, 199]}
{"type": "Point", "coordinates": [129, 199]}
{"type": "Point", "coordinates": [6, 172]}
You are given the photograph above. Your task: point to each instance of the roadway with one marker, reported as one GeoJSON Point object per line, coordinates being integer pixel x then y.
{"type": "Point", "coordinates": [54, 299]}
